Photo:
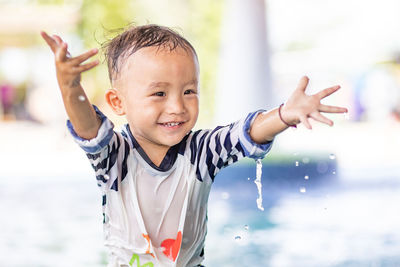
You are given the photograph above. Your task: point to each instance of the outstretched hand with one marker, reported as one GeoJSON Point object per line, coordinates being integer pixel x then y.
{"type": "Point", "coordinates": [300, 106]}
{"type": "Point", "coordinates": [68, 68]}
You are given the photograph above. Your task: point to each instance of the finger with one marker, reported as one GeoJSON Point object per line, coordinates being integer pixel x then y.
{"type": "Point", "coordinates": [50, 41]}
{"type": "Point", "coordinates": [81, 58]}
{"type": "Point", "coordinates": [319, 117]}
{"type": "Point", "coordinates": [332, 109]}
{"type": "Point", "coordinates": [60, 42]}
{"type": "Point", "coordinates": [305, 121]}
{"type": "Point", "coordinates": [58, 39]}
{"type": "Point", "coordinates": [61, 52]}
{"type": "Point", "coordinates": [86, 67]}
{"type": "Point", "coordinates": [328, 91]}
{"type": "Point", "coordinates": [302, 85]}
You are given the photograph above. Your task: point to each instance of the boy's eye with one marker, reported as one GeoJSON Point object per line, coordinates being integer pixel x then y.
{"type": "Point", "coordinates": [189, 91]}
{"type": "Point", "coordinates": [159, 94]}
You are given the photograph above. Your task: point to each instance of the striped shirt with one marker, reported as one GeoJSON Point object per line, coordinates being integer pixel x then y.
{"type": "Point", "coordinates": [157, 215]}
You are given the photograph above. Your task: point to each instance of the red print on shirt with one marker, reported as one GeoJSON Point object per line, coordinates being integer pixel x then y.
{"type": "Point", "coordinates": [172, 246]}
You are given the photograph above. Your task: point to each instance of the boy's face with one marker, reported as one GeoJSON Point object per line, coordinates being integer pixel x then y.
{"type": "Point", "coordinates": [159, 95]}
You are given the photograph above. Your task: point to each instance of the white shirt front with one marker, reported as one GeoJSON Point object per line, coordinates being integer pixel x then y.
{"type": "Point", "coordinates": [157, 216]}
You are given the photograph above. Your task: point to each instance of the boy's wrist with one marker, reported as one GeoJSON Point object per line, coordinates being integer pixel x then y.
{"type": "Point", "coordinates": [285, 115]}
{"type": "Point", "coordinates": [70, 85]}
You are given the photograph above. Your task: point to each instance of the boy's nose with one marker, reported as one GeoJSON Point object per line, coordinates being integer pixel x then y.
{"type": "Point", "coordinates": [175, 106]}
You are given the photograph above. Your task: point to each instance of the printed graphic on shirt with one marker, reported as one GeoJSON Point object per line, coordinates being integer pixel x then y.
{"type": "Point", "coordinates": [147, 237]}
{"type": "Point", "coordinates": [135, 258]}
{"type": "Point", "coordinates": [172, 246]}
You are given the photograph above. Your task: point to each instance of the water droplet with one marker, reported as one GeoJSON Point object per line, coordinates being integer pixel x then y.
{"type": "Point", "coordinates": [306, 160]}
{"type": "Point", "coordinates": [296, 163]}
{"type": "Point", "coordinates": [306, 177]}
{"type": "Point", "coordinates": [246, 227]}
{"type": "Point", "coordinates": [257, 181]}
{"type": "Point", "coordinates": [334, 172]}
{"type": "Point", "coordinates": [248, 178]}
{"type": "Point", "coordinates": [332, 156]}
{"type": "Point", "coordinates": [302, 189]}
{"type": "Point", "coordinates": [238, 237]}
{"type": "Point", "coordinates": [81, 98]}
{"type": "Point", "coordinates": [224, 195]}
{"type": "Point", "coordinates": [106, 177]}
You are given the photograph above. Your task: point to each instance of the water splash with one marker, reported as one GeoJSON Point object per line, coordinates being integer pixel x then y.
{"type": "Point", "coordinates": [257, 181]}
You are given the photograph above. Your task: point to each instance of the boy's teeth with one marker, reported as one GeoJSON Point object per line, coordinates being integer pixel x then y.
{"type": "Point", "coordinates": [170, 124]}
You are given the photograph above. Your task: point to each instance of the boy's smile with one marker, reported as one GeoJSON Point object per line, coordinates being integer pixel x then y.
{"type": "Point", "coordinates": [158, 93]}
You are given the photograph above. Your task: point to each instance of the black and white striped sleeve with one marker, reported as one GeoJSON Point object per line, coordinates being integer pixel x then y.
{"type": "Point", "coordinates": [212, 150]}
{"type": "Point", "coordinates": [107, 153]}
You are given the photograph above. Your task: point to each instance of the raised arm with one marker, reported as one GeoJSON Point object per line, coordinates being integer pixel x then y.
{"type": "Point", "coordinates": [80, 112]}
{"type": "Point", "coordinates": [298, 109]}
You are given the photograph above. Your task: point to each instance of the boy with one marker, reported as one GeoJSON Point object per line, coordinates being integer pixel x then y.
{"type": "Point", "coordinates": [156, 174]}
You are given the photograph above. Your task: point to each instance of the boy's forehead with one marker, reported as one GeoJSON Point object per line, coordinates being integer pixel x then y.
{"type": "Point", "coordinates": [160, 52]}
{"type": "Point", "coordinates": [159, 58]}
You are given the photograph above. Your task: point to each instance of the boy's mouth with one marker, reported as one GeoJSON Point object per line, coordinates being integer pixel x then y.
{"type": "Point", "coordinates": [171, 124]}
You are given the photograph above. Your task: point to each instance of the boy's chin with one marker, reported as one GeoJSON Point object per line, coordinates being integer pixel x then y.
{"type": "Point", "coordinates": [171, 141]}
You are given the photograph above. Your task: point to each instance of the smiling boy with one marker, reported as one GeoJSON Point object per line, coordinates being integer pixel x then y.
{"type": "Point", "coordinates": [156, 174]}
{"type": "Point", "coordinates": [160, 97]}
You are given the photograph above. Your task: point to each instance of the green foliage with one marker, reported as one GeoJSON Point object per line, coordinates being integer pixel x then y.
{"type": "Point", "coordinates": [200, 21]}
{"type": "Point", "coordinates": [100, 22]}
{"type": "Point", "coordinates": [98, 18]}
{"type": "Point", "coordinates": [204, 27]}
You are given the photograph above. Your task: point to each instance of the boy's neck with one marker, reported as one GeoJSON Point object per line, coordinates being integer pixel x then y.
{"type": "Point", "coordinates": [156, 156]}
{"type": "Point", "coordinates": [155, 152]}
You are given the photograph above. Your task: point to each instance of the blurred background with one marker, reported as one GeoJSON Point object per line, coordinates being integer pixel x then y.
{"type": "Point", "coordinates": [330, 195]}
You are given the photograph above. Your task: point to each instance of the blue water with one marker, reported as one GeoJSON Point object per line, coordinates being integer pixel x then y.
{"type": "Point", "coordinates": [337, 221]}
{"type": "Point", "coordinates": [56, 221]}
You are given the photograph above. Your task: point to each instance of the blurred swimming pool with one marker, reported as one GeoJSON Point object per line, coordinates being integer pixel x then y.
{"type": "Point", "coordinates": [314, 216]}
{"type": "Point", "coordinates": [56, 221]}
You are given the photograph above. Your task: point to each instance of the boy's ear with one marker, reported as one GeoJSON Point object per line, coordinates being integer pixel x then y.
{"type": "Point", "coordinates": [113, 98]}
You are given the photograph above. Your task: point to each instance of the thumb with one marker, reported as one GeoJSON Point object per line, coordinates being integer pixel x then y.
{"type": "Point", "coordinates": [302, 85]}
{"type": "Point", "coordinates": [61, 52]}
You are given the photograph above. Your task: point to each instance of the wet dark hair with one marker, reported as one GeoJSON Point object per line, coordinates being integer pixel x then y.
{"type": "Point", "coordinates": [136, 37]}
